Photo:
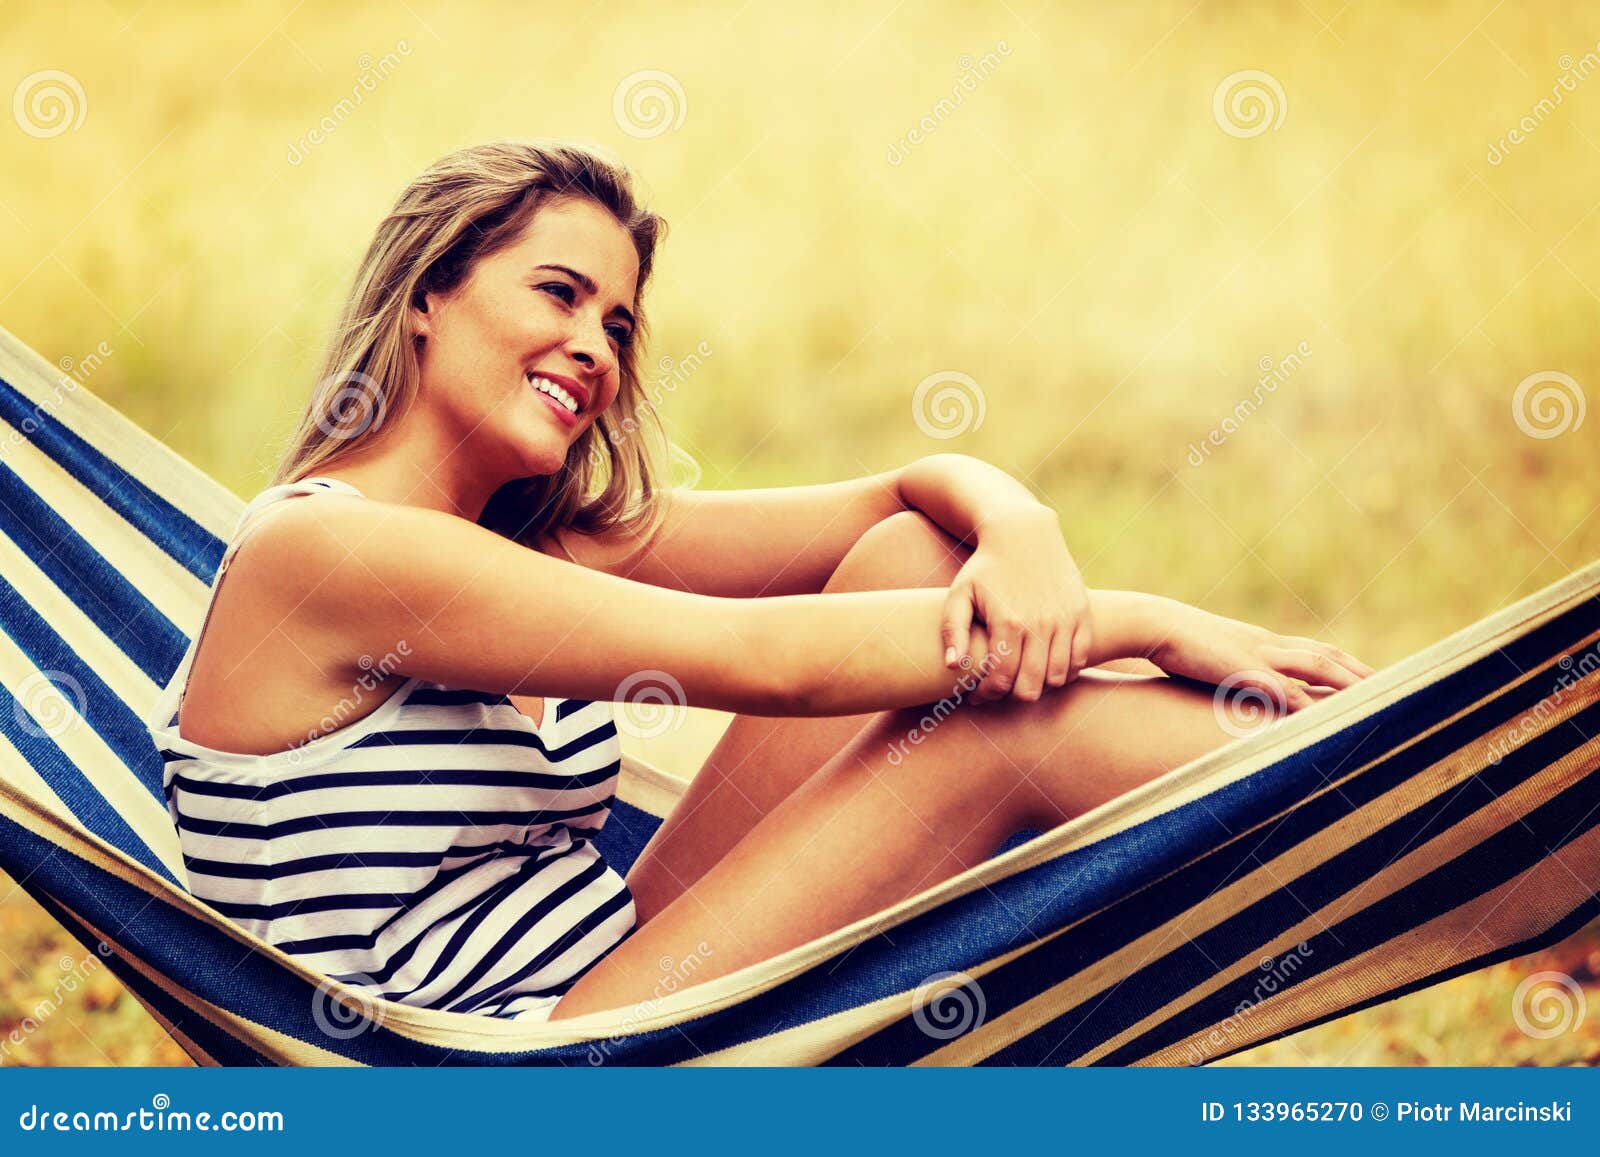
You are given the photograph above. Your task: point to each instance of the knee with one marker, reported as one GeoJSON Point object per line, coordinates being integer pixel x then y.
{"type": "Point", "coordinates": [907, 549]}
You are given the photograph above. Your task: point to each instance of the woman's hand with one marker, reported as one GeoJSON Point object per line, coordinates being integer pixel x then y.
{"type": "Point", "coordinates": [1194, 643]}
{"type": "Point", "coordinates": [1022, 583]}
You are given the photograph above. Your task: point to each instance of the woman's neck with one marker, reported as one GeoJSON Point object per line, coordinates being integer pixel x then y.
{"type": "Point", "coordinates": [422, 470]}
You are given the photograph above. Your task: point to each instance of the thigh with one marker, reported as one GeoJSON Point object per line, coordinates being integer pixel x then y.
{"type": "Point", "coordinates": [874, 826]}
{"type": "Point", "coordinates": [755, 766]}
{"type": "Point", "coordinates": [760, 760]}
{"type": "Point", "coordinates": [861, 833]}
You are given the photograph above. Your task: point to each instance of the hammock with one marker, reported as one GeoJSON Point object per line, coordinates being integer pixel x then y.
{"type": "Point", "coordinates": [1441, 816]}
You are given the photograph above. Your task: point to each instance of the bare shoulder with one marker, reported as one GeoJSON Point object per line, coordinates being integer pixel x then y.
{"type": "Point", "coordinates": [264, 642]}
{"type": "Point", "coordinates": [366, 573]}
{"type": "Point", "coordinates": [342, 553]}
{"type": "Point", "coordinates": [296, 544]}
{"type": "Point", "coordinates": [295, 548]}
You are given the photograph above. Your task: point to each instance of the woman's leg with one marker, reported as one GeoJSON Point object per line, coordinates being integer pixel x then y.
{"type": "Point", "coordinates": [760, 760]}
{"type": "Point", "coordinates": [883, 819]}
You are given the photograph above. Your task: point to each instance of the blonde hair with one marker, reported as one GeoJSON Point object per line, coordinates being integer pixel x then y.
{"type": "Point", "coordinates": [465, 206]}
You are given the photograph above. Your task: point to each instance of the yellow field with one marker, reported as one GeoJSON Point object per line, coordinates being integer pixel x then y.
{"type": "Point", "coordinates": [1063, 203]}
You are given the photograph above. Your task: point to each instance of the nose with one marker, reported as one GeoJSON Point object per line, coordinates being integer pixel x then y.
{"type": "Point", "coordinates": [589, 346]}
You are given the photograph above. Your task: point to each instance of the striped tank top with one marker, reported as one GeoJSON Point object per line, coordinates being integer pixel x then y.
{"type": "Point", "coordinates": [438, 851]}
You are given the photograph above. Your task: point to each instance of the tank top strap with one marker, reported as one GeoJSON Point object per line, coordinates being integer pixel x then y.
{"type": "Point", "coordinates": [274, 494]}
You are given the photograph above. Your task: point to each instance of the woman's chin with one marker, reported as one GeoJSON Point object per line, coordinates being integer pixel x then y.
{"type": "Point", "coordinates": [542, 451]}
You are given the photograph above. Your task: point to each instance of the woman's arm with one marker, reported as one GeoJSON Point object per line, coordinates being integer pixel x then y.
{"type": "Point", "coordinates": [463, 606]}
{"type": "Point", "coordinates": [460, 605]}
{"type": "Point", "coordinates": [742, 543]}
{"type": "Point", "coordinates": [966, 495]}
{"type": "Point", "coordinates": [789, 540]}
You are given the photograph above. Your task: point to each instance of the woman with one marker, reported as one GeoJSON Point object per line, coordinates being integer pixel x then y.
{"type": "Point", "coordinates": [421, 825]}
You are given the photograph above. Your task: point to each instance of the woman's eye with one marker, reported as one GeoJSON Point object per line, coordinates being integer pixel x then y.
{"type": "Point", "coordinates": [620, 334]}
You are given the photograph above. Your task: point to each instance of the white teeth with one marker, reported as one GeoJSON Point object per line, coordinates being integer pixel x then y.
{"type": "Point", "coordinates": [545, 386]}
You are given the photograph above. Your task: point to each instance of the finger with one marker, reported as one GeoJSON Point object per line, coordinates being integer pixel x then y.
{"type": "Point", "coordinates": [1286, 694]}
{"type": "Point", "coordinates": [1058, 667]}
{"type": "Point", "coordinates": [1343, 658]}
{"type": "Point", "coordinates": [957, 627]}
{"type": "Point", "coordinates": [1082, 640]}
{"type": "Point", "coordinates": [1312, 666]}
{"type": "Point", "coordinates": [1005, 640]}
{"type": "Point", "coordinates": [1296, 695]}
{"type": "Point", "coordinates": [1350, 661]}
{"type": "Point", "coordinates": [1034, 666]}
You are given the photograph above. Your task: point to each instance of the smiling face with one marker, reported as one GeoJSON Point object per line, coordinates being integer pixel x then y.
{"type": "Point", "coordinates": [554, 307]}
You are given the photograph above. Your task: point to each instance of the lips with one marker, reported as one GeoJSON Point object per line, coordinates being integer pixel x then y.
{"type": "Point", "coordinates": [563, 415]}
{"type": "Point", "coordinates": [579, 393]}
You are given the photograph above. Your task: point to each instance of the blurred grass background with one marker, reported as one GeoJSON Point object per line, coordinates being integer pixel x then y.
{"type": "Point", "coordinates": [1079, 234]}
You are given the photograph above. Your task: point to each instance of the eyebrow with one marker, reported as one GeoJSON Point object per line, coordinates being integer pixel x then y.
{"type": "Point", "coordinates": [591, 288]}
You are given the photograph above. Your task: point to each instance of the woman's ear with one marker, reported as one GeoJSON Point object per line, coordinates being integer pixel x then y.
{"type": "Point", "coordinates": [421, 319]}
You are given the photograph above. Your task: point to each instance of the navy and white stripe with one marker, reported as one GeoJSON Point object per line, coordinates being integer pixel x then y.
{"type": "Point", "coordinates": [437, 851]}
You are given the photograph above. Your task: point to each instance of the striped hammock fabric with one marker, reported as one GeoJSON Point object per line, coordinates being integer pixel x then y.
{"type": "Point", "coordinates": [1442, 815]}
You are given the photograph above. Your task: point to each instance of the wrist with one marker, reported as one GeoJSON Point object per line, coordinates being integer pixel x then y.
{"type": "Point", "coordinates": [1127, 625]}
{"type": "Point", "coordinates": [1025, 519]}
